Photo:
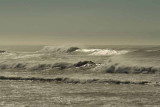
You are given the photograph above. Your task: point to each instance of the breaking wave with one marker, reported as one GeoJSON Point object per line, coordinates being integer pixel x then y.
{"type": "Point", "coordinates": [86, 51]}
{"type": "Point", "coordinates": [58, 49]}
{"type": "Point", "coordinates": [117, 68]}
{"type": "Point", "coordinates": [84, 59]}
{"type": "Point", "coordinates": [82, 66]}
{"type": "Point", "coordinates": [44, 66]}
{"type": "Point", "coordinates": [103, 51]}
{"type": "Point", "coordinates": [2, 51]}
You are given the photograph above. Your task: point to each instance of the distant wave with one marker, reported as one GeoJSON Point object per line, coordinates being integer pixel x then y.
{"type": "Point", "coordinates": [103, 51]}
{"type": "Point", "coordinates": [2, 51]}
{"type": "Point", "coordinates": [154, 50]}
{"type": "Point", "coordinates": [58, 49]}
{"type": "Point", "coordinates": [86, 51]}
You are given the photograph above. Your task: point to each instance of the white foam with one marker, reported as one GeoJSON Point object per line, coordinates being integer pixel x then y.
{"type": "Point", "coordinates": [109, 52]}
{"type": "Point", "coordinates": [103, 51]}
{"type": "Point", "coordinates": [152, 50]}
{"type": "Point", "coordinates": [88, 50]}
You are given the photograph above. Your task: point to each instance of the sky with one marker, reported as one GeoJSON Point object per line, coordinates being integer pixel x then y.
{"type": "Point", "coordinates": [87, 22]}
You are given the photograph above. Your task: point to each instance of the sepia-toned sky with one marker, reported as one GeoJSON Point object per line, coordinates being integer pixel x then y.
{"type": "Point", "coordinates": [91, 22]}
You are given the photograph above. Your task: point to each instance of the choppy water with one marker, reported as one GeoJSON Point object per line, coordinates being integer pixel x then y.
{"type": "Point", "coordinates": [105, 59]}
{"type": "Point", "coordinates": [92, 66]}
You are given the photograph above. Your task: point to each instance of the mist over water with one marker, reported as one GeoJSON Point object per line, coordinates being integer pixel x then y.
{"type": "Point", "coordinates": [79, 75]}
{"type": "Point", "coordinates": [106, 59]}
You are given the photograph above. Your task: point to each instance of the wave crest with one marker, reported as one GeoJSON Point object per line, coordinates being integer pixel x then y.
{"type": "Point", "coordinates": [103, 51]}
{"type": "Point", "coordinates": [89, 66]}
{"type": "Point", "coordinates": [58, 49]}
{"type": "Point", "coordinates": [118, 68]}
{"type": "Point", "coordinates": [96, 52]}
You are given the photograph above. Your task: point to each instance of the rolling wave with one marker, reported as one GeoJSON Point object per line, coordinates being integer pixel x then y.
{"type": "Point", "coordinates": [99, 52]}
{"type": "Point", "coordinates": [82, 66]}
{"type": "Point", "coordinates": [75, 58]}
{"type": "Point", "coordinates": [58, 49]}
{"type": "Point", "coordinates": [88, 51]}
{"type": "Point", "coordinates": [74, 81]}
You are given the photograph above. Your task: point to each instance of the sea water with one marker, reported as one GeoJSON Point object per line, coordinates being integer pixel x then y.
{"type": "Point", "coordinates": [79, 76]}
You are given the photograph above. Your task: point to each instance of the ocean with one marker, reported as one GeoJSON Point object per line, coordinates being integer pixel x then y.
{"type": "Point", "coordinates": [107, 76]}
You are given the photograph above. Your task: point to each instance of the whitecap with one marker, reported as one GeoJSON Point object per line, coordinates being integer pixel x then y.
{"type": "Point", "coordinates": [103, 51]}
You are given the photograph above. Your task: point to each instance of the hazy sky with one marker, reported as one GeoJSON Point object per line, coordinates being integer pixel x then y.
{"type": "Point", "coordinates": [50, 22]}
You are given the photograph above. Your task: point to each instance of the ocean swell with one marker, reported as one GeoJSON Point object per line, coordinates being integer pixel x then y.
{"type": "Point", "coordinates": [75, 59]}
{"type": "Point", "coordinates": [118, 68]}
{"type": "Point", "coordinates": [58, 49]}
{"type": "Point", "coordinates": [82, 66]}
{"type": "Point", "coordinates": [97, 52]}
{"type": "Point", "coordinates": [74, 81]}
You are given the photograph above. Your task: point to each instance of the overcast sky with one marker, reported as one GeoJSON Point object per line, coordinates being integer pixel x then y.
{"type": "Point", "coordinates": [103, 22]}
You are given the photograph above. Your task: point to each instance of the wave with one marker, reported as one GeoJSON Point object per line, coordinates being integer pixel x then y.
{"type": "Point", "coordinates": [74, 81]}
{"type": "Point", "coordinates": [58, 49]}
{"type": "Point", "coordinates": [116, 68]}
{"type": "Point", "coordinates": [96, 52]}
{"type": "Point", "coordinates": [2, 51]}
{"type": "Point", "coordinates": [102, 51]}
{"type": "Point", "coordinates": [89, 66]}
{"type": "Point", "coordinates": [72, 49]}
{"type": "Point", "coordinates": [76, 59]}
{"type": "Point", "coordinates": [45, 66]}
